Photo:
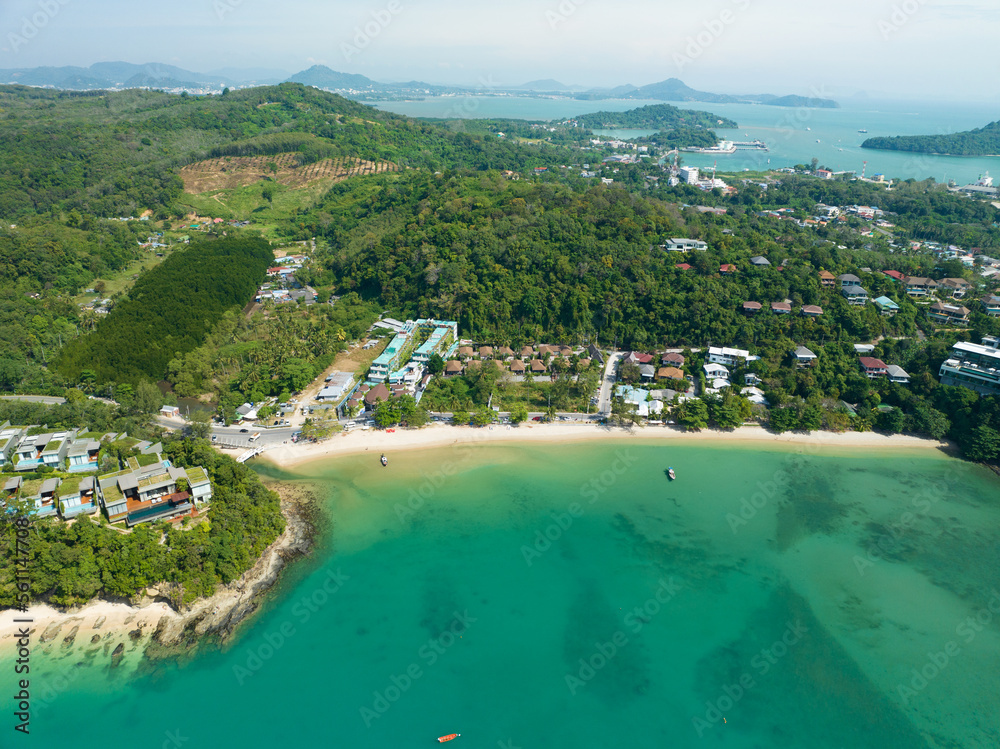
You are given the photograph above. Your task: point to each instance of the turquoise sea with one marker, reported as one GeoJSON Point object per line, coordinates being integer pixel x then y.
{"type": "Point", "coordinates": [571, 596]}
{"type": "Point", "coordinates": [793, 135]}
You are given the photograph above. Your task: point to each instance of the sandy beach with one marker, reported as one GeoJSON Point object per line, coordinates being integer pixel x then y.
{"type": "Point", "coordinates": [440, 435]}
{"type": "Point", "coordinates": [121, 634]}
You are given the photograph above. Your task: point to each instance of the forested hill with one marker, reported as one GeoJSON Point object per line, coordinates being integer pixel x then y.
{"type": "Point", "coordinates": [170, 310]}
{"type": "Point", "coordinates": [116, 153]}
{"type": "Point", "coordinates": [984, 141]}
{"type": "Point", "coordinates": [515, 262]}
{"type": "Point", "coordinates": [655, 117]}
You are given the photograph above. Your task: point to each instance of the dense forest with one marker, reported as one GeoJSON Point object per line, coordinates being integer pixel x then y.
{"type": "Point", "coordinates": [170, 310]}
{"type": "Point", "coordinates": [654, 117]}
{"type": "Point", "coordinates": [70, 564]}
{"type": "Point", "coordinates": [984, 141]}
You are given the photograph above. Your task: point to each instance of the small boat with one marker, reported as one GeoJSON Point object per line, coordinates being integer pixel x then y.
{"type": "Point", "coordinates": [449, 737]}
{"type": "Point", "coordinates": [862, 130]}
{"type": "Point", "coordinates": [385, 460]}
{"type": "Point", "coordinates": [670, 474]}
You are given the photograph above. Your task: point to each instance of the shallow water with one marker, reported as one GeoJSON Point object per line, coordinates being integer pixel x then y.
{"type": "Point", "coordinates": [571, 596]}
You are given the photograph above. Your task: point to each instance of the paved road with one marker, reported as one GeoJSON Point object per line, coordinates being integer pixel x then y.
{"type": "Point", "coordinates": [50, 400]}
{"type": "Point", "coordinates": [607, 384]}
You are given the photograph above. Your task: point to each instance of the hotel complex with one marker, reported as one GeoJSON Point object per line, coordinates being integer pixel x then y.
{"type": "Point", "coordinates": [417, 341]}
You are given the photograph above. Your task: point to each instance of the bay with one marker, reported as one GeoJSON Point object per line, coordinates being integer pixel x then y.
{"type": "Point", "coordinates": [570, 595]}
{"type": "Point", "coordinates": [794, 135]}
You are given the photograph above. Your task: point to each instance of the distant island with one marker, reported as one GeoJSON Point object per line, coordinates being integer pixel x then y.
{"type": "Point", "coordinates": [654, 117]}
{"type": "Point", "coordinates": [984, 141]}
{"type": "Point", "coordinates": [674, 89]}
{"type": "Point", "coordinates": [116, 76]}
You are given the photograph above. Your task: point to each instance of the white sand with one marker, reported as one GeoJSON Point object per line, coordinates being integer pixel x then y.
{"type": "Point", "coordinates": [440, 435]}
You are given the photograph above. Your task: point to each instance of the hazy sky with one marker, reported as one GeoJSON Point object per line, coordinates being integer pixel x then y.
{"type": "Point", "coordinates": [899, 48]}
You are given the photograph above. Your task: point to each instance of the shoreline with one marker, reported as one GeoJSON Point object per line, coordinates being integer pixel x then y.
{"type": "Point", "coordinates": [127, 636]}
{"type": "Point", "coordinates": [439, 435]}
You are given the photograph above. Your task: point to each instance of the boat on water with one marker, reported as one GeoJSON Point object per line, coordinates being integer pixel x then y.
{"type": "Point", "coordinates": [385, 460]}
{"type": "Point", "coordinates": [449, 737]}
{"type": "Point", "coordinates": [670, 473]}
{"type": "Point", "coordinates": [862, 130]}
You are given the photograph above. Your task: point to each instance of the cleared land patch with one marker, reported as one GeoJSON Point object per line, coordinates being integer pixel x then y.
{"type": "Point", "coordinates": [229, 172]}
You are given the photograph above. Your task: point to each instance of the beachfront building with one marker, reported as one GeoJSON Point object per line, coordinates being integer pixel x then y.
{"type": "Point", "coordinates": [144, 493]}
{"type": "Point", "coordinates": [973, 366]}
{"type": "Point", "coordinates": [418, 341]}
{"type": "Point", "coordinates": [338, 385]}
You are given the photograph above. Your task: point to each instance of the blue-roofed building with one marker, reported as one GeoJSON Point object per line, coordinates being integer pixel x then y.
{"type": "Point", "coordinates": [418, 341]}
{"type": "Point", "coordinates": [886, 306]}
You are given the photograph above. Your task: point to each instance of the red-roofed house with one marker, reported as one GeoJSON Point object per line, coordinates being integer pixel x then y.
{"type": "Point", "coordinates": [682, 266]}
{"type": "Point", "coordinates": [895, 274]}
{"type": "Point", "coordinates": [811, 310]}
{"type": "Point", "coordinates": [873, 367]}
{"type": "Point", "coordinates": [727, 268]}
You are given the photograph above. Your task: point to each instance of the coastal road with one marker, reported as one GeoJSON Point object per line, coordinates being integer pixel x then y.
{"type": "Point", "coordinates": [608, 383]}
{"type": "Point", "coordinates": [46, 399]}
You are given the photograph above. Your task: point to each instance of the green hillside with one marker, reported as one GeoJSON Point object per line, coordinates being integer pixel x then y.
{"type": "Point", "coordinates": [984, 141]}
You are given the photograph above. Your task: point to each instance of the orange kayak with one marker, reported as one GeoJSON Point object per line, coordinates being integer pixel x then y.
{"type": "Point", "coordinates": [449, 737]}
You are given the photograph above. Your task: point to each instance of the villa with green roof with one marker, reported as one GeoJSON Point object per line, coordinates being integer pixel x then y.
{"type": "Point", "coordinates": [77, 497]}
{"type": "Point", "coordinates": [144, 493]}
{"type": "Point", "coordinates": [40, 496]}
{"type": "Point", "coordinates": [10, 438]}
{"type": "Point", "coordinates": [83, 452]}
